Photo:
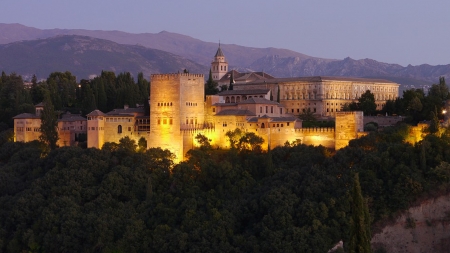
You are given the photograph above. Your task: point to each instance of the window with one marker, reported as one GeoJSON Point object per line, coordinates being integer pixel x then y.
{"type": "Point", "coordinates": [271, 109]}
{"type": "Point", "coordinates": [119, 129]}
{"type": "Point", "coordinates": [267, 109]}
{"type": "Point", "coordinates": [159, 121]}
{"type": "Point", "coordinates": [214, 109]}
{"type": "Point", "coordinates": [260, 109]}
{"type": "Point", "coordinates": [129, 129]}
{"type": "Point", "coordinates": [170, 121]}
{"type": "Point", "coordinates": [165, 121]}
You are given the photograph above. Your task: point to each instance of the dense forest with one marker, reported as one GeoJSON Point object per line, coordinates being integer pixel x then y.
{"type": "Point", "coordinates": [123, 198]}
{"type": "Point", "coordinates": [105, 92]}
{"type": "Point", "coordinates": [293, 198]}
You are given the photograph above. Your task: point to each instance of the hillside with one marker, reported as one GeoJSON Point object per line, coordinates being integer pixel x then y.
{"type": "Point", "coordinates": [275, 61]}
{"type": "Point", "coordinates": [84, 56]}
{"type": "Point", "coordinates": [422, 228]}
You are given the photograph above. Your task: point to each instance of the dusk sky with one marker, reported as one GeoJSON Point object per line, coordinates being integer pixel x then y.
{"type": "Point", "coordinates": [400, 31]}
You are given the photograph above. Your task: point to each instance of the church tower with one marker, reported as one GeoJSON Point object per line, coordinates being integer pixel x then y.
{"type": "Point", "coordinates": [219, 66]}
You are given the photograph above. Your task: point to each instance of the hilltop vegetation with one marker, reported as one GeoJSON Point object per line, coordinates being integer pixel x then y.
{"type": "Point", "coordinates": [293, 199]}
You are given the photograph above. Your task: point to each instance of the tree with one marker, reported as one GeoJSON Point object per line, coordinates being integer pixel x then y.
{"type": "Point", "coordinates": [211, 85]}
{"type": "Point", "coordinates": [367, 103]}
{"type": "Point", "coordinates": [359, 240]}
{"type": "Point", "coordinates": [434, 123]}
{"type": "Point", "coordinates": [234, 137]}
{"type": "Point", "coordinates": [307, 115]}
{"type": "Point", "coordinates": [231, 81]}
{"type": "Point", "coordinates": [49, 123]}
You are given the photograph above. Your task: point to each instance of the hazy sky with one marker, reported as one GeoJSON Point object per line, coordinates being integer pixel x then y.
{"type": "Point", "coordinates": [393, 31]}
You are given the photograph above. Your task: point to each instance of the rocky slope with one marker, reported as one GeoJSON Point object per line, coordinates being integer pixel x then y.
{"type": "Point", "coordinates": [421, 229]}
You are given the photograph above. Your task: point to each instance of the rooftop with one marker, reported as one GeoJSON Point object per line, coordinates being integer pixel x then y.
{"type": "Point", "coordinates": [27, 116]}
{"type": "Point", "coordinates": [243, 92]}
{"type": "Point", "coordinates": [237, 112]}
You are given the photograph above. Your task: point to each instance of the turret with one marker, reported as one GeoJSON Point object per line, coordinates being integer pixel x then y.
{"type": "Point", "coordinates": [219, 65]}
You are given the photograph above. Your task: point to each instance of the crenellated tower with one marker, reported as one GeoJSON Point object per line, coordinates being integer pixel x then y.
{"type": "Point", "coordinates": [219, 66]}
{"type": "Point", "coordinates": [176, 104]}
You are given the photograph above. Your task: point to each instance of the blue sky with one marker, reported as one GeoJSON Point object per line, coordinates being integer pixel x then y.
{"type": "Point", "coordinates": [393, 31]}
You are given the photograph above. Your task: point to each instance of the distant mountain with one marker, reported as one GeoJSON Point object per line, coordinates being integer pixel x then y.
{"type": "Point", "coordinates": [297, 66]}
{"type": "Point", "coordinates": [85, 56]}
{"type": "Point", "coordinates": [277, 62]}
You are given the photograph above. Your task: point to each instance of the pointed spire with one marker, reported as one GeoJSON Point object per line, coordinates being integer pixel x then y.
{"type": "Point", "coordinates": [219, 52]}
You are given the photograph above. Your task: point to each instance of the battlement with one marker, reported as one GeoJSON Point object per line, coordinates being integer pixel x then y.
{"type": "Point", "coordinates": [347, 113]}
{"type": "Point", "coordinates": [315, 130]}
{"type": "Point", "coordinates": [197, 131]}
{"type": "Point", "coordinates": [173, 76]}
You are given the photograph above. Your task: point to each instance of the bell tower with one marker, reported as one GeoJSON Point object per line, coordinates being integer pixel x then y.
{"type": "Point", "coordinates": [219, 66]}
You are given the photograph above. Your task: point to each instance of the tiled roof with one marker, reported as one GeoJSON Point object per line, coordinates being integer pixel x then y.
{"type": "Point", "coordinates": [126, 111]}
{"type": "Point", "coordinates": [71, 118]}
{"type": "Point", "coordinates": [273, 119]}
{"type": "Point", "coordinates": [284, 119]}
{"type": "Point", "coordinates": [243, 92]}
{"type": "Point", "coordinates": [236, 112]}
{"type": "Point", "coordinates": [254, 100]}
{"type": "Point", "coordinates": [244, 77]}
{"type": "Point", "coordinates": [96, 113]}
{"type": "Point", "coordinates": [109, 114]}
{"type": "Point", "coordinates": [26, 116]}
{"type": "Point", "coordinates": [225, 104]}
{"type": "Point", "coordinates": [219, 53]}
{"type": "Point", "coordinates": [41, 104]}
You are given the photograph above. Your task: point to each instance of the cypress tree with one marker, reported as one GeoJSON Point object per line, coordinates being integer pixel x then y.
{"type": "Point", "coordinates": [359, 240]}
{"type": "Point", "coordinates": [49, 123]}
{"type": "Point", "coordinates": [278, 93]}
{"type": "Point", "coordinates": [231, 81]}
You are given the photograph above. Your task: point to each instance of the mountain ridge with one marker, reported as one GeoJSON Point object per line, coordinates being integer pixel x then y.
{"type": "Point", "coordinates": [275, 61]}
{"type": "Point", "coordinates": [85, 56]}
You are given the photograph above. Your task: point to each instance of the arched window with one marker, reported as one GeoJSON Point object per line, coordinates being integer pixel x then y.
{"type": "Point", "coordinates": [119, 129]}
{"type": "Point", "coordinates": [262, 125]}
{"type": "Point", "coordinates": [238, 99]}
{"type": "Point", "coordinates": [232, 100]}
{"type": "Point", "coordinates": [227, 100]}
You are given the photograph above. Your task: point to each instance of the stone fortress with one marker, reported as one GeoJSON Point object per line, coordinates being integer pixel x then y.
{"type": "Point", "coordinates": [179, 111]}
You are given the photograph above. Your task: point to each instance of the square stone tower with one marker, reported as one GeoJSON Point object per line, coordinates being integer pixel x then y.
{"type": "Point", "coordinates": [349, 125]}
{"type": "Point", "coordinates": [176, 104]}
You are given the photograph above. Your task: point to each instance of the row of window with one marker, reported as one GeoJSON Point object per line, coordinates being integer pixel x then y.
{"type": "Point", "coordinates": [28, 129]}
{"type": "Point", "coordinates": [118, 119]}
{"type": "Point", "coordinates": [165, 104]}
{"type": "Point", "coordinates": [301, 96]}
{"type": "Point", "coordinates": [191, 104]}
{"type": "Point", "coordinates": [191, 121]}
{"type": "Point", "coordinates": [72, 128]}
{"type": "Point", "coordinates": [165, 121]}
{"type": "Point", "coordinates": [222, 68]}
{"type": "Point", "coordinates": [237, 99]}
{"type": "Point", "coordinates": [303, 110]}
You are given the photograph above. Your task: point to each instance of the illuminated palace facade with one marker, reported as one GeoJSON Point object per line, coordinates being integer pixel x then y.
{"type": "Point", "coordinates": [179, 111]}
{"type": "Point", "coordinates": [322, 95]}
